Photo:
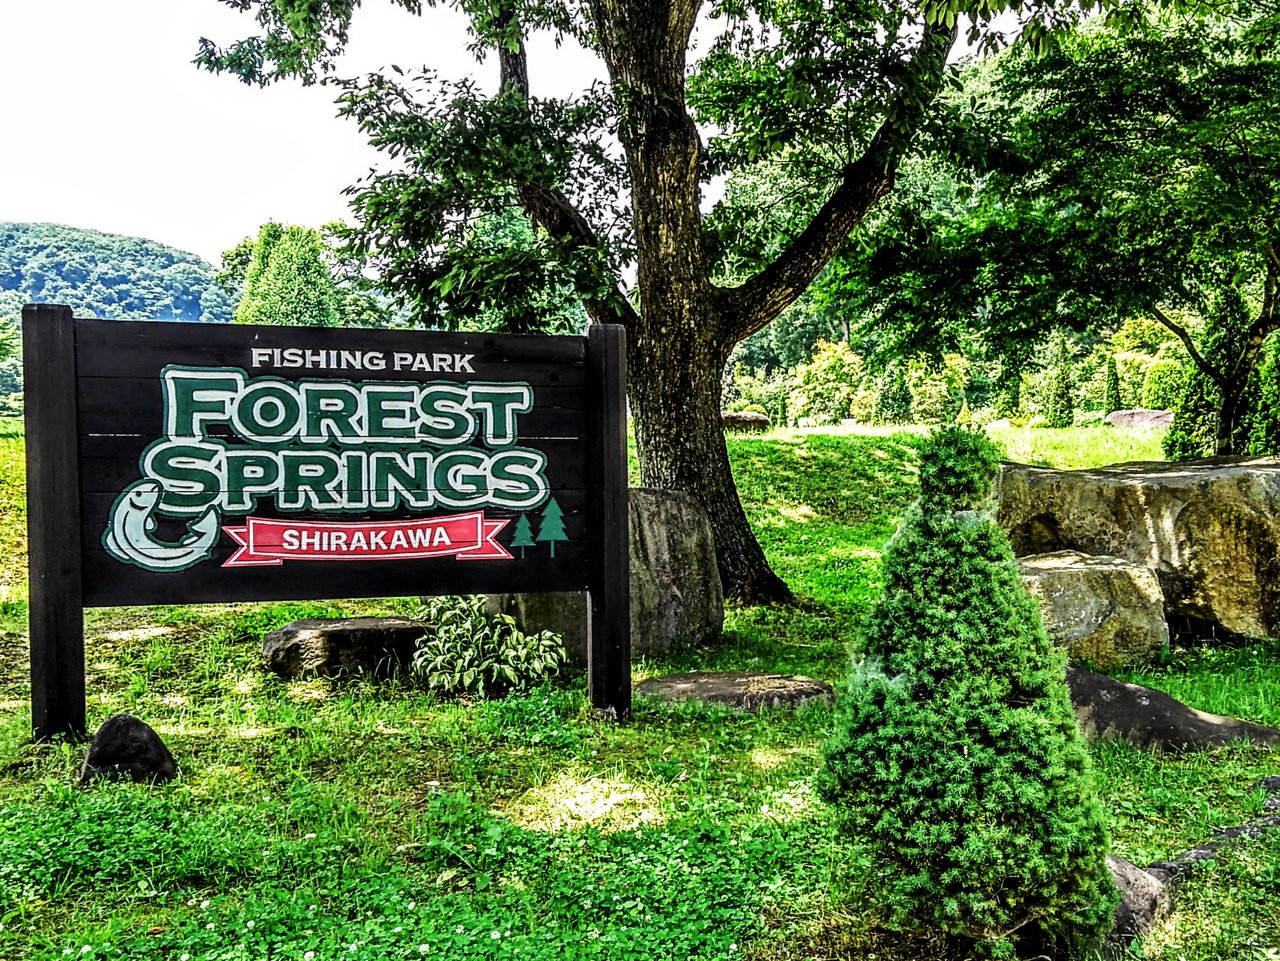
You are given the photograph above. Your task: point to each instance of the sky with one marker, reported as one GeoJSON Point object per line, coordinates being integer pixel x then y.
{"type": "Point", "coordinates": [108, 125]}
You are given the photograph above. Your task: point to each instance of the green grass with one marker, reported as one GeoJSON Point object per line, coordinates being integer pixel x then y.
{"type": "Point", "coordinates": [1072, 448]}
{"type": "Point", "coordinates": [317, 816]}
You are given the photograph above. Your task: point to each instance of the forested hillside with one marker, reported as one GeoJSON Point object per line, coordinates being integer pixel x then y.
{"type": "Point", "coordinates": [105, 275]}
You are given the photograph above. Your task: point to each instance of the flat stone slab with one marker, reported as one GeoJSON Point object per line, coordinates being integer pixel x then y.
{"type": "Point", "coordinates": [747, 690]}
{"type": "Point", "coordinates": [333, 647]}
{"type": "Point", "coordinates": [1107, 708]}
{"type": "Point", "coordinates": [1144, 419]}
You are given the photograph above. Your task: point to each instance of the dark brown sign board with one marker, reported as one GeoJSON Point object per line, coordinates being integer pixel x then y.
{"type": "Point", "coordinates": [177, 463]}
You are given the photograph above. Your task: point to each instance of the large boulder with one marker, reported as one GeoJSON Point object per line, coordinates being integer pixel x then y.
{"type": "Point", "coordinates": [1107, 708]}
{"type": "Point", "coordinates": [1209, 529]}
{"type": "Point", "coordinates": [1141, 419]}
{"type": "Point", "coordinates": [334, 646]}
{"type": "Point", "coordinates": [675, 584]}
{"type": "Point", "coordinates": [1105, 611]}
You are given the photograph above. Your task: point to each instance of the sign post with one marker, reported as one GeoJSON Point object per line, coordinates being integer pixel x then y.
{"type": "Point", "coordinates": [177, 463]}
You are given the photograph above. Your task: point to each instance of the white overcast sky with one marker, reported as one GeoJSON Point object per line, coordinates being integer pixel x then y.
{"type": "Point", "coordinates": [107, 124]}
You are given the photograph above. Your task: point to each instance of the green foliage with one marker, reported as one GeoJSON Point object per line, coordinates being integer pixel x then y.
{"type": "Point", "coordinates": [956, 757]}
{"type": "Point", "coordinates": [938, 389]}
{"type": "Point", "coordinates": [1111, 386]}
{"type": "Point", "coordinates": [1084, 204]}
{"type": "Point", "coordinates": [1008, 399]}
{"type": "Point", "coordinates": [287, 282]}
{"type": "Point", "coordinates": [823, 389]}
{"type": "Point", "coordinates": [1060, 403]}
{"type": "Point", "coordinates": [1142, 335]}
{"type": "Point", "coordinates": [746, 389]}
{"type": "Point", "coordinates": [1264, 429]}
{"type": "Point", "coordinates": [893, 400]}
{"type": "Point", "coordinates": [1195, 428]}
{"type": "Point", "coordinates": [1163, 385]}
{"type": "Point", "coordinates": [957, 470]}
{"type": "Point", "coordinates": [470, 651]}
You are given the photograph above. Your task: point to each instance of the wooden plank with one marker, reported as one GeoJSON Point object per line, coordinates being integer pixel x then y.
{"type": "Point", "coordinates": [116, 586]}
{"type": "Point", "coordinates": [108, 581]}
{"type": "Point", "coordinates": [129, 405]}
{"type": "Point", "coordinates": [129, 348]}
{"type": "Point", "coordinates": [609, 581]}
{"type": "Point", "coordinates": [55, 609]}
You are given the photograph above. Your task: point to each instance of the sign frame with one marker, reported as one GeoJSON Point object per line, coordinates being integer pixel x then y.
{"type": "Point", "coordinates": [57, 350]}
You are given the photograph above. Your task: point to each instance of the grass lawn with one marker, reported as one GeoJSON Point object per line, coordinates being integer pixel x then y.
{"type": "Point", "coordinates": [316, 821]}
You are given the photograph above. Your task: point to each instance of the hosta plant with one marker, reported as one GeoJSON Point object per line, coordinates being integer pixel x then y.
{"type": "Point", "coordinates": [472, 651]}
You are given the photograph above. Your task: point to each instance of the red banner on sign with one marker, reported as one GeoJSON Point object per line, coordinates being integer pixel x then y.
{"type": "Point", "coordinates": [267, 541]}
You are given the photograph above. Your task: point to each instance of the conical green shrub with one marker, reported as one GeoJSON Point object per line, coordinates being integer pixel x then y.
{"type": "Point", "coordinates": [956, 758]}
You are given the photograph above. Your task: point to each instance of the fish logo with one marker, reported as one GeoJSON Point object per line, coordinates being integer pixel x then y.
{"type": "Point", "coordinates": [131, 535]}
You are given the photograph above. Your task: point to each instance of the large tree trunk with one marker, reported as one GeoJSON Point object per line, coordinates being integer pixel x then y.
{"type": "Point", "coordinates": [676, 347]}
{"type": "Point", "coordinates": [675, 392]}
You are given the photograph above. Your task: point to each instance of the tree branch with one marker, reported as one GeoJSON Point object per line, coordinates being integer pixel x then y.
{"type": "Point", "coordinates": [1198, 358]}
{"type": "Point", "coordinates": [761, 298]}
{"type": "Point", "coordinates": [548, 207]}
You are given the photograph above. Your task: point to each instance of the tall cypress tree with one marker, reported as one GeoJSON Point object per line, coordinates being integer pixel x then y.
{"type": "Point", "coordinates": [1111, 387]}
{"type": "Point", "coordinates": [287, 281]}
{"type": "Point", "coordinates": [1060, 405]}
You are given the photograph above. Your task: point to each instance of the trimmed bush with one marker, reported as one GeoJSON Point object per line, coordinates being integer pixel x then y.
{"type": "Point", "coordinates": [824, 388]}
{"type": "Point", "coordinates": [937, 390]}
{"type": "Point", "coordinates": [956, 758]}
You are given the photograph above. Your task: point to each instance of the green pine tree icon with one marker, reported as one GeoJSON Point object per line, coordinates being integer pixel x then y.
{"type": "Point", "coordinates": [524, 535]}
{"type": "Point", "coordinates": [552, 527]}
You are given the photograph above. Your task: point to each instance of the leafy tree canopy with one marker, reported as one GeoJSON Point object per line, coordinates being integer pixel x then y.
{"type": "Point", "coordinates": [612, 177]}
{"type": "Point", "coordinates": [1124, 173]}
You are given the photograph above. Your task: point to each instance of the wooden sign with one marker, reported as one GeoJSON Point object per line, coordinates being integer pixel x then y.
{"type": "Point", "coordinates": [177, 463]}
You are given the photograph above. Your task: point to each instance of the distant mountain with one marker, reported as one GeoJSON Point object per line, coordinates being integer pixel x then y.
{"type": "Point", "coordinates": [105, 275]}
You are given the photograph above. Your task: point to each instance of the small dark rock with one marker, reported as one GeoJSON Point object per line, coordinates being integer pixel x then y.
{"type": "Point", "coordinates": [1144, 903]}
{"type": "Point", "coordinates": [126, 747]}
{"type": "Point", "coordinates": [1107, 708]}
{"type": "Point", "coordinates": [331, 647]}
{"type": "Point", "coordinates": [741, 689]}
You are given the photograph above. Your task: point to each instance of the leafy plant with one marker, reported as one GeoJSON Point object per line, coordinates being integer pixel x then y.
{"type": "Point", "coordinates": [472, 651]}
{"type": "Point", "coordinates": [956, 757]}
{"type": "Point", "coordinates": [1163, 385]}
{"type": "Point", "coordinates": [824, 388]}
{"type": "Point", "coordinates": [893, 400]}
